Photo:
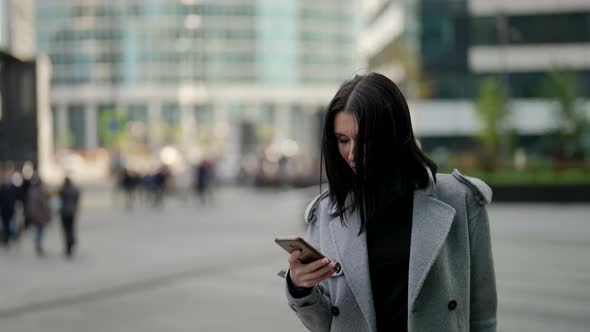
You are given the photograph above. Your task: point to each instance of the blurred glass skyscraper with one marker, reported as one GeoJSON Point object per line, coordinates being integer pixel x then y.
{"type": "Point", "coordinates": [208, 68]}
{"type": "Point", "coordinates": [441, 49]}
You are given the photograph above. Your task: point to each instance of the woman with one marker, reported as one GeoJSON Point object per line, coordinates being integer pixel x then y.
{"type": "Point", "coordinates": [407, 249]}
{"type": "Point", "coordinates": [69, 195]}
{"type": "Point", "coordinates": [39, 212]}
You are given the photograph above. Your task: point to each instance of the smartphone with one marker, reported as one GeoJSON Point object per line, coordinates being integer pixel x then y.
{"type": "Point", "coordinates": [308, 252]}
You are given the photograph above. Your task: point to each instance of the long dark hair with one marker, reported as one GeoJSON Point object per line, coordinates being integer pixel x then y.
{"type": "Point", "coordinates": [389, 163]}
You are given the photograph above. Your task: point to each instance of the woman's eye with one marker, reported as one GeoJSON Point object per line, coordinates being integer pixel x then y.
{"type": "Point", "coordinates": [342, 141]}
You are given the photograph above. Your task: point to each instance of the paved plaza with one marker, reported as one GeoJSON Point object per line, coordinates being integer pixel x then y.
{"type": "Point", "coordinates": [187, 267]}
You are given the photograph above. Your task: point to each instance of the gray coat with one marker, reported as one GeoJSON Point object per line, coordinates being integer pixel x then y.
{"type": "Point", "coordinates": [451, 283]}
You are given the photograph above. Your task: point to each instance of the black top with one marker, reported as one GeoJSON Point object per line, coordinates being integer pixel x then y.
{"type": "Point", "coordinates": [388, 248]}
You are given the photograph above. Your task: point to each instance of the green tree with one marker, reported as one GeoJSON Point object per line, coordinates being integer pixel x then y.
{"type": "Point", "coordinates": [491, 106]}
{"type": "Point", "coordinates": [561, 86]}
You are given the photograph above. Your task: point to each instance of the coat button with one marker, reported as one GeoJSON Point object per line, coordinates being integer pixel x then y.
{"type": "Point", "coordinates": [452, 305]}
{"type": "Point", "coordinates": [335, 311]}
{"type": "Point", "coordinates": [337, 268]}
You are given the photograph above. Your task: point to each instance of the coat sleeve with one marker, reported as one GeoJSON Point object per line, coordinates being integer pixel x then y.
{"type": "Point", "coordinates": [483, 299]}
{"type": "Point", "coordinates": [314, 309]}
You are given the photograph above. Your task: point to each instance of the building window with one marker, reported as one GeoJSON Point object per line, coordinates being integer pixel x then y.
{"type": "Point", "coordinates": [533, 29]}
{"type": "Point", "coordinates": [437, 37]}
{"type": "Point", "coordinates": [76, 135]}
{"type": "Point", "coordinates": [171, 114]}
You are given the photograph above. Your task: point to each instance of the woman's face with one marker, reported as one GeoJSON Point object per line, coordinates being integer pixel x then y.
{"type": "Point", "coordinates": [346, 130]}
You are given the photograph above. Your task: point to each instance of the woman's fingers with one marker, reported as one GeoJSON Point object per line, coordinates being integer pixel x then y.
{"type": "Point", "coordinates": [315, 265]}
{"type": "Point", "coordinates": [293, 257]}
{"type": "Point", "coordinates": [319, 279]}
{"type": "Point", "coordinates": [305, 275]}
{"type": "Point", "coordinates": [317, 274]}
{"type": "Point", "coordinates": [305, 268]}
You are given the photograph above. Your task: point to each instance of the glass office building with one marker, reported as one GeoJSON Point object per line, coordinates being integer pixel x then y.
{"type": "Point", "coordinates": [527, 39]}
{"type": "Point", "coordinates": [195, 71]}
{"type": "Point", "coordinates": [440, 51]}
{"type": "Point", "coordinates": [454, 44]}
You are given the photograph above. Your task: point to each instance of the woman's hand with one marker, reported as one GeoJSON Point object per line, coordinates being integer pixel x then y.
{"type": "Point", "coordinates": [311, 274]}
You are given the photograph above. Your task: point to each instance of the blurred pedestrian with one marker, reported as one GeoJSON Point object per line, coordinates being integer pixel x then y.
{"type": "Point", "coordinates": [130, 182]}
{"type": "Point", "coordinates": [39, 212]}
{"type": "Point", "coordinates": [70, 197]}
{"type": "Point", "coordinates": [283, 164]}
{"type": "Point", "coordinates": [406, 249]}
{"type": "Point", "coordinates": [160, 180]}
{"type": "Point", "coordinates": [117, 165]}
{"type": "Point", "coordinates": [24, 198]}
{"type": "Point", "coordinates": [8, 198]}
{"type": "Point", "coordinates": [204, 178]}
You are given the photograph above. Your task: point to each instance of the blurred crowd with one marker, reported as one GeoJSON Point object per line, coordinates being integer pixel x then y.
{"type": "Point", "coordinates": [150, 187]}
{"type": "Point", "coordinates": [27, 203]}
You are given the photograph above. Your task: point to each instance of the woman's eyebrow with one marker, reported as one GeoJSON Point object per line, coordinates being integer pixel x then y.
{"type": "Point", "coordinates": [339, 134]}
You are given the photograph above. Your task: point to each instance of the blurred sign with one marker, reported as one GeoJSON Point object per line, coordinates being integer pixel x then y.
{"type": "Point", "coordinates": [113, 126]}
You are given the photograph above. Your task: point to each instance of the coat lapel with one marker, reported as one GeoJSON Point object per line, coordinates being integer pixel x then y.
{"type": "Point", "coordinates": [431, 222]}
{"type": "Point", "coordinates": [352, 249]}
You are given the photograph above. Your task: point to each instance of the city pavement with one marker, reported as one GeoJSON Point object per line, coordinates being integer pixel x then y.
{"type": "Point", "coordinates": [186, 267]}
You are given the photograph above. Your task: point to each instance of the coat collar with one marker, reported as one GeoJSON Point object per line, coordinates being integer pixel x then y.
{"type": "Point", "coordinates": [431, 222]}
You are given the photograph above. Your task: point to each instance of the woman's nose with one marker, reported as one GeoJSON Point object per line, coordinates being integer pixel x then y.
{"type": "Point", "coordinates": [351, 152]}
